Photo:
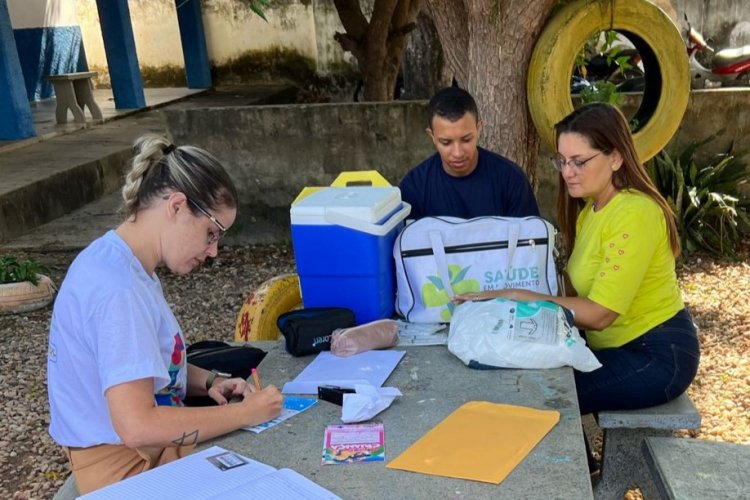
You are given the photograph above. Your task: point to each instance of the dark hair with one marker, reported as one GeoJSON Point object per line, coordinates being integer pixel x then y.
{"type": "Point", "coordinates": [159, 166]}
{"type": "Point", "coordinates": [451, 103]}
{"type": "Point", "coordinates": [606, 129]}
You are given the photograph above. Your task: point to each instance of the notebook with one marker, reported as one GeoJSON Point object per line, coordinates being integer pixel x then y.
{"type": "Point", "coordinates": [214, 473]}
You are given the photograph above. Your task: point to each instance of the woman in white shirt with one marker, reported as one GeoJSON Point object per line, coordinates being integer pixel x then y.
{"type": "Point", "coordinates": [117, 370]}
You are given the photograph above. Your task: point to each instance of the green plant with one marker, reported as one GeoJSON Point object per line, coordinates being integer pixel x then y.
{"type": "Point", "coordinates": [14, 271]}
{"type": "Point", "coordinates": [712, 212]}
{"type": "Point", "coordinates": [257, 6]}
{"type": "Point", "coordinates": [614, 63]}
{"type": "Point", "coordinates": [602, 92]}
{"type": "Point", "coordinates": [603, 44]}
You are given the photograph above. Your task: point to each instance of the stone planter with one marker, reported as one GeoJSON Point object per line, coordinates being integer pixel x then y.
{"type": "Point", "coordinates": [24, 296]}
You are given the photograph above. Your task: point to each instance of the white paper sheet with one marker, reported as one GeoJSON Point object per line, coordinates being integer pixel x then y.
{"type": "Point", "coordinates": [197, 478]}
{"type": "Point", "coordinates": [372, 367]}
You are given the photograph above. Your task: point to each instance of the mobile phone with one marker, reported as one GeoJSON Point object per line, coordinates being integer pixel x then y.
{"type": "Point", "coordinates": [333, 394]}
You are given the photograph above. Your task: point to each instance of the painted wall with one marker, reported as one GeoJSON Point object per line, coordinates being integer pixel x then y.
{"type": "Point", "coordinates": [48, 40]}
{"type": "Point", "coordinates": [155, 30]}
{"type": "Point", "coordinates": [296, 30]}
{"type": "Point", "coordinates": [726, 22]}
{"type": "Point", "coordinates": [231, 29]}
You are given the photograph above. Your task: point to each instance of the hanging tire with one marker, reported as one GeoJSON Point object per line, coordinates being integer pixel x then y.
{"type": "Point", "coordinates": [25, 296]}
{"type": "Point", "coordinates": [662, 50]}
{"type": "Point", "coordinates": [257, 318]}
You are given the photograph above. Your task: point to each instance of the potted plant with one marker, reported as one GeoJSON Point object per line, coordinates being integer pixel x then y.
{"type": "Point", "coordinates": [22, 287]}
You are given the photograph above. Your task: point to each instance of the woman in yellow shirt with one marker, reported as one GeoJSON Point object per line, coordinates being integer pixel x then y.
{"type": "Point", "coordinates": [622, 240]}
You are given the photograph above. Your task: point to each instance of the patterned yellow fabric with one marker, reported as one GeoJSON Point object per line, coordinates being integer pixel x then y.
{"type": "Point", "coordinates": [622, 260]}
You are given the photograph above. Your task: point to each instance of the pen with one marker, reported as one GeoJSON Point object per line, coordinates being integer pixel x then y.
{"type": "Point", "coordinates": [256, 379]}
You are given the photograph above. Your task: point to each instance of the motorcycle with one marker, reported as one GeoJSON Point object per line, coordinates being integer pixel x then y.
{"type": "Point", "coordinates": [729, 67]}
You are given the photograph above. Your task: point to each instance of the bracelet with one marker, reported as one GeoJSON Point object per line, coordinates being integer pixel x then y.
{"type": "Point", "coordinates": [212, 377]}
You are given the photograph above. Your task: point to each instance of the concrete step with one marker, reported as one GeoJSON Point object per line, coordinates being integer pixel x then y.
{"type": "Point", "coordinates": [49, 179]}
{"type": "Point", "coordinates": [79, 171]}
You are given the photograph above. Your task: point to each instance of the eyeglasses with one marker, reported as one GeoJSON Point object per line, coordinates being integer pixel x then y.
{"type": "Point", "coordinates": [559, 162]}
{"type": "Point", "coordinates": [212, 237]}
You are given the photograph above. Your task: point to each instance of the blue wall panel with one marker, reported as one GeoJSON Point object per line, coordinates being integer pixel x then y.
{"type": "Point", "coordinates": [16, 121]}
{"type": "Point", "coordinates": [197, 67]}
{"type": "Point", "coordinates": [48, 51]}
{"type": "Point", "coordinates": [124, 72]}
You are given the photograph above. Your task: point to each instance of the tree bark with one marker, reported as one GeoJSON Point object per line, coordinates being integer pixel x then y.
{"type": "Point", "coordinates": [378, 45]}
{"type": "Point", "coordinates": [451, 20]}
{"type": "Point", "coordinates": [424, 67]}
{"type": "Point", "coordinates": [488, 44]}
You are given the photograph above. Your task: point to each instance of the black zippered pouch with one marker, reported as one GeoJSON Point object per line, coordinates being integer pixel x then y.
{"type": "Point", "coordinates": [237, 360]}
{"type": "Point", "coordinates": [308, 331]}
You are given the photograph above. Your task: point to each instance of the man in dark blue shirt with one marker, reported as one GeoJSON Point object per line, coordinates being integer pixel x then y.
{"type": "Point", "coordinates": [462, 179]}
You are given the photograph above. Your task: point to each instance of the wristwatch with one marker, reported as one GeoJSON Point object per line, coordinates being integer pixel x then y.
{"type": "Point", "coordinates": [212, 376]}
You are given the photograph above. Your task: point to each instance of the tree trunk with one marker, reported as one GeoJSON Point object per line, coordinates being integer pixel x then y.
{"type": "Point", "coordinates": [488, 44]}
{"type": "Point", "coordinates": [424, 67]}
{"type": "Point", "coordinates": [378, 45]}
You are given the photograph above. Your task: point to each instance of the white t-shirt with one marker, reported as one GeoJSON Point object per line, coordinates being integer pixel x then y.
{"type": "Point", "coordinates": [110, 325]}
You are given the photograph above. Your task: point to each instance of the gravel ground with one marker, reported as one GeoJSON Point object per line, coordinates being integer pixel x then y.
{"type": "Point", "coordinates": [207, 301]}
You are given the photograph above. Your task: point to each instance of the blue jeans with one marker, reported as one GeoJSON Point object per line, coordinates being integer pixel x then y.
{"type": "Point", "coordinates": [654, 368]}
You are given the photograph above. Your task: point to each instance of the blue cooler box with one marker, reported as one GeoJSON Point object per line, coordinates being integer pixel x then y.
{"type": "Point", "coordinates": [343, 246]}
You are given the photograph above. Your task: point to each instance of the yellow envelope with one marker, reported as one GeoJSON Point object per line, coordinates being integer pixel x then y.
{"type": "Point", "coordinates": [480, 441]}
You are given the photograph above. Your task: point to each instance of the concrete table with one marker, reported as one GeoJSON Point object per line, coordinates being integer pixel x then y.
{"type": "Point", "coordinates": [434, 383]}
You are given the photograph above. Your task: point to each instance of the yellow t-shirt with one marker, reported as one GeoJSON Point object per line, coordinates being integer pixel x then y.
{"type": "Point", "coordinates": [622, 260]}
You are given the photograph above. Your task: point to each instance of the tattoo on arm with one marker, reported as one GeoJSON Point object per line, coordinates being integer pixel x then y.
{"type": "Point", "coordinates": [187, 439]}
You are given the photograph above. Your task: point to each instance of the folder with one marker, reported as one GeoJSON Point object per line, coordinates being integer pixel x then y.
{"type": "Point", "coordinates": [480, 441]}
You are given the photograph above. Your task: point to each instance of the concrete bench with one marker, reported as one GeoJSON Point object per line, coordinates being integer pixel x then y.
{"type": "Point", "coordinates": [74, 91]}
{"type": "Point", "coordinates": [688, 469]}
{"type": "Point", "coordinates": [623, 465]}
{"type": "Point", "coordinates": [68, 491]}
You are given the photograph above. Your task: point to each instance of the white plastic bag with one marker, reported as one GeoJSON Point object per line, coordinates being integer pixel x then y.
{"type": "Point", "coordinates": [509, 334]}
{"type": "Point", "coordinates": [366, 402]}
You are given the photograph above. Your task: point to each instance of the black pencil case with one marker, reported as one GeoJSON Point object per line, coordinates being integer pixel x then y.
{"type": "Point", "coordinates": [308, 331]}
{"type": "Point", "coordinates": [237, 360]}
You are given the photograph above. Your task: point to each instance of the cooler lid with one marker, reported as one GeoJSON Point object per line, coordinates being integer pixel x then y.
{"type": "Point", "coordinates": [366, 203]}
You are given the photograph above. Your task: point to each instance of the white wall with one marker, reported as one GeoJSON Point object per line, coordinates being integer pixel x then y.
{"type": "Point", "coordinates": [155, 29]}
{"type": "Point", "coordinates": [714, 18]}
{"type": "Point", "coordinates": [41, 13]}
{"type": "Point", "coordinates": [303, 26]}
{"type": "Point", "coordinates": [231, 29]}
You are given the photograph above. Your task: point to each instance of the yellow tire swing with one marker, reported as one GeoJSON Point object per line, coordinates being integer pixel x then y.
{"type": "Point", "coordinates": [258, 315]}
{"type": "Point", "coordinates": [659, 43]}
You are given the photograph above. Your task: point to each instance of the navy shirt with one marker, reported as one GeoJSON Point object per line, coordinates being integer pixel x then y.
{"type": "Point", "coordinates": [496, 187]}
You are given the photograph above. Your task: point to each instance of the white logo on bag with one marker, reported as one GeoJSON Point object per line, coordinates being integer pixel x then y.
{"type": "Point", "coordinates": [518, 277]}
{"type": "Point", "coordinates": [321, 340]}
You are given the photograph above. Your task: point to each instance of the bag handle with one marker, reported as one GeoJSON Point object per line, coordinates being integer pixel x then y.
{"type": "Point", "coordinates": [513, 231]}
{"type": "Point", "coordinates": [438, 251]}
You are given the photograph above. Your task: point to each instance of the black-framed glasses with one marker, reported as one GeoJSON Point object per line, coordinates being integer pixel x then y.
{"type": "Point", "coordinates": [559, 162]}
{"type": "Point", "coordinates": [212, 237]}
